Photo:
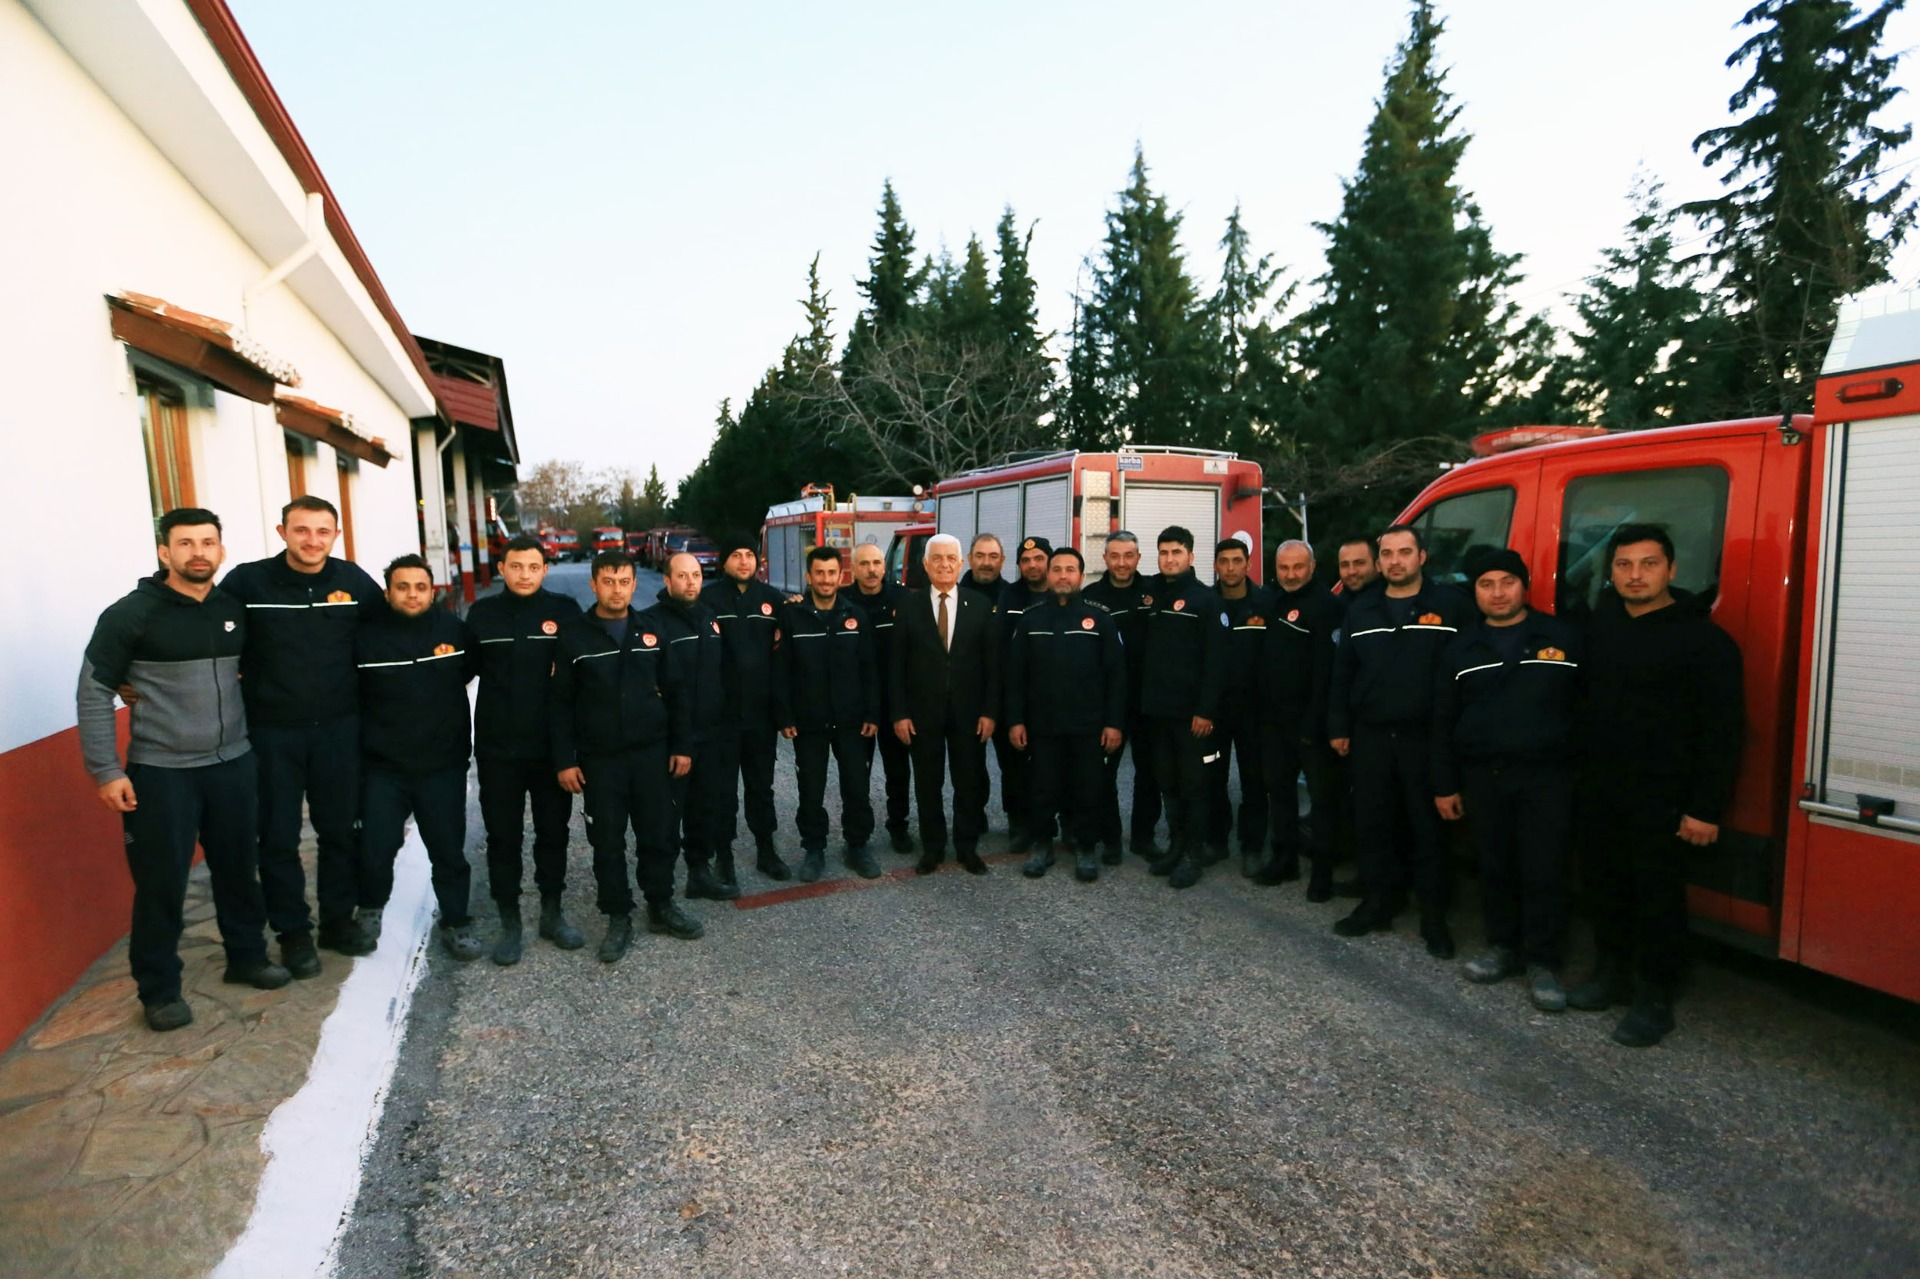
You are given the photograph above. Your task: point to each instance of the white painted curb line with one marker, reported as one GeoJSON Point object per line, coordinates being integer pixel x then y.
{"type": "Point", "coordinates": [318, 1139]}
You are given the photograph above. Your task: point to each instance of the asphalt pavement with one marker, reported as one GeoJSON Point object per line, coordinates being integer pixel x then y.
{"type": "Point", "coordinates": [954, 1075]}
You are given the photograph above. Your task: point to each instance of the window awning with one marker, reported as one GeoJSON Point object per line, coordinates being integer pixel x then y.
{"type": "Point", "coordinates": [330, 426]}
{"type": "Point", "coordinates": [215, 350]}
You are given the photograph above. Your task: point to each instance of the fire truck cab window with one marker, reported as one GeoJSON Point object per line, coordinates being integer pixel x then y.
{"type": "Point", "coordinates": [1690, 503]}
{"type": "Point", "coordinates": [1455, 527]}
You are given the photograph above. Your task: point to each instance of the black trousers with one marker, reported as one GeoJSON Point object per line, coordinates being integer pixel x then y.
{"type": "Point", "coordinates": [1286, 755]}
{"type": "Point", "coordinates": [507, 788]}
{"type": "Point", "coordinates": [1522, 821]}
{"type": "Point", "coordinates": [437, 802]}
{"type": "Point", "coordinates": [1240, 740]}
{"type": "Point", "coordinates": [1146, 794]}
{"type": "Point", "coordinates": [1637, 870]}
{"type": "Point", "coordinates": [935, 747]}
{"type": "Point", "coordinates": [629, 789]}
{"type": "Point", "coordinates": [1066, 785]}
{"type": "Point", "coordinates": [1391, 772]}
{"type": "Point", "coordinates": [213, 806]}
{"type": "Point", "coordinates": [745, 754]}
{"type": "Point", "coordinates": [703, 805]}
{"type": "Point", "coordinates": [1179, 766]}
{"type": "Point", "coordinates": [1016, 783]}
{"type": "Point", "coordinates": [849, 751]}
{"type": "Point", "coordinates": [320, 765]}
{"type": "Point", "coordinates": [898, 771]}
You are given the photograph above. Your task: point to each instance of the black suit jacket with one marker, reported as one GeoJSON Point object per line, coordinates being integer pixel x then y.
{"type": "Point", "coordinates": [928, 681]}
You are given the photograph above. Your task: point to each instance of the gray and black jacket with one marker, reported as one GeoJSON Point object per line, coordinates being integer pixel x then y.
{"type": "Point", "coordinates": [182, 656]}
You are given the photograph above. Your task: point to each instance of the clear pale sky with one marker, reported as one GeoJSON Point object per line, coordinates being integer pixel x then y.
{"type": "Point", "coordinates": [621, 199]}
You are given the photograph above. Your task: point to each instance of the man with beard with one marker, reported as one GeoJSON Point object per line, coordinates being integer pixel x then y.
{"type": "Point", "coordinates": [1126, 594]}
{"type": "Point", "coordinates": [985, 559]}
{"type": "Point", "coordinates": [1238, 734]}
{"type": "Point", "coordinates": [748, 611]}
{"type": "Point", "coordinates": [1185, 655]}
{"type": "Point", "coordinates": [876, 597]}
{"type": "Point", "coordinates": [1016, 799]}
{"type": "Point", "coordinates": [1066, 700]}
{"type": "Point", "coordinates": [620, 735]}
{"type": "Point", "coordinates": [695, 659]}
{"type": "Point", "coordinates": [189, 772]}
{"type": "Point", "coordinates": [1296, 664]}
{"type": "Point", "coordinates": [301, 688]}
{"type": "Point", "coordinates": [511, 640]}
{"type": "Point", "coordinates": [415, 737]}
{"type": "Point", "coordinates": [826, 697]}
{"type": "Point", "coordinates": [1504, 744]}
{"type": "Point", "coordinates": [1380, 715]}
{"type": "Point", "coordinates": [1358, 568]}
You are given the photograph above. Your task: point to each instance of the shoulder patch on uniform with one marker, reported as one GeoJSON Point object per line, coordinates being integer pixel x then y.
{"type": "Point", "coordinates": [549, 627]}
{"type": "Point", "coordinates": [340, 597]}
{"type": "Point", "coordinates": [1430, 619]}
{"type": "Point", "coordinates": [1086, 623]}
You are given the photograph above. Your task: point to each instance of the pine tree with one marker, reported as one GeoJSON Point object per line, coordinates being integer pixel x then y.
{"type": "Point", "coordinates": [893, 283]}
{"type": "Point", "coordinates": [1803, 220]}
{"type": "Point", "coordinates": [1253, 389]}
{"type": "Point", "coordinates": [1414, 341]}
{"type": "Point", "coordinates": [1652, 345]}
{"type": "Point", "coordinates": [1143, 328]}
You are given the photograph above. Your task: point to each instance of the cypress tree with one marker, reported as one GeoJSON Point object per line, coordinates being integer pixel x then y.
{"type": "Point", "coordinates": [1803, 220]}
{"type": "Point", "coordinates": [1252, 390]}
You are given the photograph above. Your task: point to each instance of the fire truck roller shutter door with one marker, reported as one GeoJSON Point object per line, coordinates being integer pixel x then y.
{"type": "Point", "coordinates": [1873, 620]}
{"type": "Point", "coordinates": [1049, 512]}
{"type": "Point", "coordinates": [1148, 508]}
{"type": "Point", "coordinates": [1000, 516]}
{"type": "Point", "coordinates": [1096, 516]}
{"type": "Point", "coordinates": [956, 517]}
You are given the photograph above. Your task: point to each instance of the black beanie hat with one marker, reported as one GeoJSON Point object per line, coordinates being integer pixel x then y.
{"type": "Point", "coordinates": [731, 542]}
{"type": "Point", "coordinates": [1498, 559]}
{"type": "Point", "coordinates": [1037, 544]}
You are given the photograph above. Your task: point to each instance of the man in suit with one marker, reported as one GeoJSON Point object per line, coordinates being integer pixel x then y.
{"type": "Point", "coordinates": [944, 673]}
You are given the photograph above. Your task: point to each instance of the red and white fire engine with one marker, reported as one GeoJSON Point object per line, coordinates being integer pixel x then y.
{"type": "Point", "coordinates": [816, 519]}
{"type": "Point", "coordinates": [1800, 530]}
{"type": "Point", "coordinates": [1077, 499]}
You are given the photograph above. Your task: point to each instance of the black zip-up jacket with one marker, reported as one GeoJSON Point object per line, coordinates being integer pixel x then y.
{"type": "Point", "coordinates": [1123, 605]}
{"type": "Point", "coordinates": [299, 664]}
{"type": "Point", "coordinates": [182, 656]}
{"type": "Point", "coordinates": [1296, 661]}
{"type": "Point", "coordinates": [1247, 621]}
{"type": "Point", "coordinates": [991, 589]}
{"type": "Point", "coordinates": [879, 608]}
{"type": "Point", "coordinates": [608, 698]}
{"type": "Point", "coordinates": [824, 676]}
{"type": "Point", "coordinates": [695, 657]}
{"type": "Point", "coordinates": [1665, 706]}
{"type": "Point", "coordinates": [1383, 670]}
{"type": "Point", "coordinates": [511, 643]}
{"type": "Point", "coordinates": [1490, 711]}
{"type": "Point", "coordinates": [1067, 672]}
{"type": "Point", "coordinates": [749, 620]}
{"type": "Point", "coordinates": [1185, 653]}
{"type": "Point", "coordinates": [413, 692]}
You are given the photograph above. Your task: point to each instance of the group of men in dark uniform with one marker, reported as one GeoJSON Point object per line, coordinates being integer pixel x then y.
{"type": "Point", "coordinates": [1402, 703]}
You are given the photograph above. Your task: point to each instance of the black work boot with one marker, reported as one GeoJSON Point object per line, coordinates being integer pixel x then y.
{"type": "Point", "coordinates": [344, 937]}
{"type": "Point", "coordinates": [506, 947]}
{"type": "Point", "coordinates": [860, 861]}
{"type": "Point", "coordinates": [299, 956]}
{"type": "Point", "coordinates": [1041, 861]}
{"type": "Point", "coordinates": [1439, 938]}
{"type": "Point", "coordinates": [1086, 867]}
{"type": "Point", "coordinates": [1163, 863]}
{"type": "Point", "coordinates": [667, 917]}
{"type": "Point", "coordinates": [1366, 918]}
{"type": "Point", "coordinates": [900, 840]}
{"type": "Point", "coordinates": [813, 864]}
{"type": "Point", "coordinates": [1608, 986]}
{"type": "Point", "coordinates": [1320, 880]}
{"type": "Point", "coordinates": [724, 872]}
{"type": "Point", "coordinates": [1186, 871]}
{"type": "Point", "coordinates": [261, 974]}
{"type": "Point", "coordinates": [619, 937]}
{"type": "Point", "coordinates": [555, 928]}
{"type": "Point", "coordinates": [167, 1014]}
{"type": "Point", "coordinates": [702, 885]}
{"type": "Point", "coordinates": [1649, 1020]}
{"type": "Point", "coordinates": [768, 862]}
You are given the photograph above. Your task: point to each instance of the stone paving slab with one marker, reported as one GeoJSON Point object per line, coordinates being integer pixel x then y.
{"type": "Point", "coordinates": [127, 1152]}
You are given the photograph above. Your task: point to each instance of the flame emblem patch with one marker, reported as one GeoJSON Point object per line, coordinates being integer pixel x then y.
{"type": "Point", "coordinates": [444, 650]}
{"type": "Point", "coordinates": [1551, 655]}
{"type": "Point", "coordinates": [1294, 615]}
{"type": "Point", "coordinates": [1429, 619]}
{"type": "Point", "coordinates": [649, 639]}
{"type": "Point", "coordinates": [766, 610]}
{"type": "Point", "coordinates": [1178, 605]}
{"type": "Point", "coordinates": [549, 627]}
{"type": "Point", "coordinates": [340, 597]}
{"type": "Point", "coordinates": [851, 624]}
{"type": "Point", "coordinates": [1086, 623]}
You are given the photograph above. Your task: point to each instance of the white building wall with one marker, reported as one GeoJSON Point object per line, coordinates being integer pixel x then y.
{"type": "Point", "coordinates": [90, 206]}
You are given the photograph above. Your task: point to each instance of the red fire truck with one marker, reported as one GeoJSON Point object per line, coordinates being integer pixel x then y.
{"type": "Point", "coordinates": [1800, 531]}
{"type": "Point", "coordinates": [1076, 499]}
{"type": "Point", "coordinates": [794, 528]}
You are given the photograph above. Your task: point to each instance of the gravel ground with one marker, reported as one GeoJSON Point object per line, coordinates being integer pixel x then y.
{"type": "Point", "coordinates": [961, 1076]}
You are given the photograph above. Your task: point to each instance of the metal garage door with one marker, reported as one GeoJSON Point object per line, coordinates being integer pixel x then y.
{"type": "Point", "coordinates": [1049, 512]}
{"type": "Point", "coordinates": [1873, 614]}
{"type": "Point", "coordinates": [1145, 509]}
{"type": "Point", "coordinates": [1000, 516]}
{"type": "Point", "coordinates": [956, 517]}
